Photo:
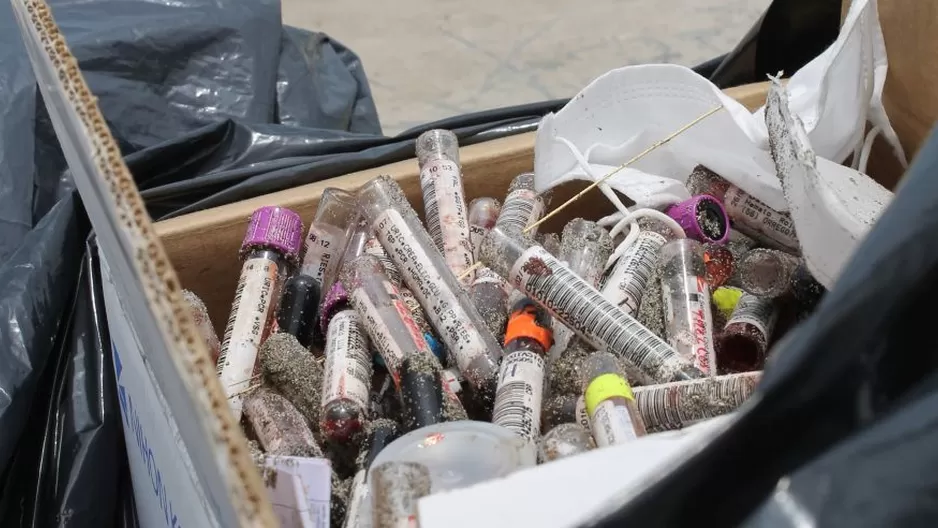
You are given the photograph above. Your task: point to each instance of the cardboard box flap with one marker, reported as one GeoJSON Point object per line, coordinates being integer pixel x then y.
{"type": "Point", "coordinates": [148, 289]}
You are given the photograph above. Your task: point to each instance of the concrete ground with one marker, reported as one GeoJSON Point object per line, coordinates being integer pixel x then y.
{"type": "Point", "coordinates": [429, 59]}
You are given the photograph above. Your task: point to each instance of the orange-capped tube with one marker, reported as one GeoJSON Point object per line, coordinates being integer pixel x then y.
{"type": "Point", "coordinates": [520, 387]}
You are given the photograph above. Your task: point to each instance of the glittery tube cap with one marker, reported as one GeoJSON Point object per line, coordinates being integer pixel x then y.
{"type": "Point", "coordinates": [275, 228]}
{"type": "Point", "coordinates": [334, 299]}
{"type": "Point", "coordinates": [703, 218]}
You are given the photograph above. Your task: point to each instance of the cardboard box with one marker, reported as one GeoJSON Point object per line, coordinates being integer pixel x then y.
{"type": "Point", "coordinates": [188, 457]}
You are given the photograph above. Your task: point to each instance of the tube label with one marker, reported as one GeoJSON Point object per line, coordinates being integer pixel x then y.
{"type": "Point", "coordinates": [476, 234]}
{"type": "Point", "coordinates": [447, 214]}
{"type": "Point", "coordinates": [322, 251]}
{"type": "Point", "coordinates": [348, 360]}
{"type": "Point", "coordinates": [522, 208]}
{"type": "Point", "coordinates": [373, 248]}
{"type": "Point", "coordinates": [629, 278]}
{"type": "Point", "coordinates": [519, 394]}
{"type": "Point", "coordinates": [760, 219]}
{"type": "Point", "coordinates": [441, 304]}
{"type": "Point", "coordinates": [611, 424]}
{"type": "Point", "coordinates": [760, 312]}
{"type": "Point", "coordinates": [578, 305]}
{"type": "Point", "coordinates": [248, 325]}
{"type": "Point", "coordinates": [680, 404]}
{"type": "Point", "coordinates": [688, 320]}
{"type": "Point", "coordinates": [376, 322]}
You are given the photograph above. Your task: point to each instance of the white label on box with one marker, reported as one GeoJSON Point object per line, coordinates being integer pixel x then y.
{"type": "Point", "coordinates": [300, 490]}
{"type": "Point", "coordinates": [166, 487]}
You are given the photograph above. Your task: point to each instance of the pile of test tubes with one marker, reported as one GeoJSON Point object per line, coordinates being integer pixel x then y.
{"type": "Point", "coordinates": [377, 326]}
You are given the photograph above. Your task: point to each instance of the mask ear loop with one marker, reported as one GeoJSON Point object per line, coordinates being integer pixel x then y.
{"type": "Point", "coordinates": [867, 147]}
{"type": "Point", "coordinates": [623, 217]}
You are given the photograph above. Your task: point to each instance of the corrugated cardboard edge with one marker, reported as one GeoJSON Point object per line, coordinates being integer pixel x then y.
{"type": "Point", "coordinates": [152, 267]}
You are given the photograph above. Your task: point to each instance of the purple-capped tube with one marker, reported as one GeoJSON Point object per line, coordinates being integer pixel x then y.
{"type": "Point", "coordinates": [576, 303]}
{"type": "Point", "coordinates": [270, 250]}
{"type": "Point", "coordinates": [444, 200]}
{"type": "Point", "coordinates": [327, 236]}
{"type": "Point", "coordinates": [425, 272]}
{"type": "Point", "coordinates": [703, 218]}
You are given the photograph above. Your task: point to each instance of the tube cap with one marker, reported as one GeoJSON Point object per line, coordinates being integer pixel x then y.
{"type": "Point", "coordinates": [703, 218]}
{"type": "Point", "coordinates": [335, 298]}
{"type": "Point", "coordinates": [275, 228]}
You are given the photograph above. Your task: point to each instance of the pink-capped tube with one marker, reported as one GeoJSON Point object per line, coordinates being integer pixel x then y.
{"type": "Point", "coordinates": [270, 250]}
{"type": "Point", "coordinates": [444, 200]}
{"type": "Point", "coordinates": [425, 272]}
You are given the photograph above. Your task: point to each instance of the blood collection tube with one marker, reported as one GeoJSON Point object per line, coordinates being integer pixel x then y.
{"type": "Point", "coordinates": [425, 272]}
{"type": "Point", "coordinates": [581, 307]}
{"type": "Point", "coordinates": [346, 385]}
{"type": "Point", "coordinates": [748, 214]}
{"type": "Point", "coordinates": [719, 265]}
{"type": "Point", "coordinates": [686, 297]}
{"type": "Point", "coordinates": [550, 242]}
{"type": "Point", "coordinates": [629, 278]}
{"type": "Point", "coordinates": [702, 217]}
{"type": "Point", "coordinates": [746, 336]}
{"type": "Point", "coordinates": [291, 369]}
{"type": "Point", "coordinates": [269, 251]}
{"type": "Point", "coordinates": [398, 340]}
{"type": "Point", "coordinates": [523, 206]}
{"type": "Point", "coordinates": [373, 247]}
{"type": "Point", "coordinates": [395, 489]}
{"type": "Point", "coordinates": [767, 272]}
{"type": "Point", "coordinates": [483, 212]}
{"type": "Point", "coordinates": [585, 247]}
{"type": "Point", "coordinates": [420, 317]}
{"type": "Point", "coordinates": [610, 404]}
{"type": "Point", "coordinates": [326, 238]}
{"type": "Point", "coordinates": [278, 426]}
{"type": "Point", "coordinates": [299, 308]}
{"type": "Point", "coordinates": [203, 324]}
{"type": "Point", "coordinates": [444, 200]}
{"type": "Point", "coordinates": [677, 405]}
{"type": "Point", "coordinates": [520, 387]}
{"type": "Point", "coordinates": [563, 441]}
{"type": "Point", "coordinates": [378, 435]}
{"type": "Point", "coordinates": [488, 294]}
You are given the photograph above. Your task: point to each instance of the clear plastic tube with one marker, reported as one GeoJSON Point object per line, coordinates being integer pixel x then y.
{"type": "Point", "coordinates": [294, 372]}
{"type": "Point", "coordinates": [628, 280]}
{"type": "Point", "coordinates": [420, 317]}
{"type": "Point", "coordinates": [520, 389]}
{"type": "Point", "coordinates": [610, 404]}
{"type": "Point", "coordinates": [444, 200]}
{"type": "Point", "coordinates": [686, 298]}
{"type": "Point", "coordinates": [449, 309]}
{"type": "Point", "coordinates": [299, 308]}
{"type": "Point", "coordinates": [326, 238]}
{"type": "Point", "coordinates": [676, 405]}
{"type": "Point", "coordinates": [373, 247]}
{"type": "Point", "coordinates": [395, 489]}
{"type": "Point", "coordinates": [523, 206]}
{"type": "Point", "coordinates": [483, 213]}
{"type": "Point", "coordinates": [563, 441]}
{"type": "Point", "coordinates": [269, 251]}
{"type": "Point", "coordinates": [278, 426]}
{"type": "Point", "coordinates": [488, 294]}
{"type": "Point", "coordinates": [585, 247]}
{"type": "Point", "coordinates": [746, 336]}
{"type": "Point", "coordinates": [767, 272]}
{"type": "Point", "coordinates": [574, 302]}
{"type": "Point", "coordinates": [398, 339]}
{"type": "Point", "coordinates": [346, 384]}
{"type": "Point", "coordinates": [203, 324]}
{"type": "Point", "coordinates": [750, 215]}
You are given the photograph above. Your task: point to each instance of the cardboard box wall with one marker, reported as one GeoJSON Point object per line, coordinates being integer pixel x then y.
{"type": "Point", "coordinates": [188, 458]}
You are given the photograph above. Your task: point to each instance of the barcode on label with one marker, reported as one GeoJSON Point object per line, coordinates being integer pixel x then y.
{"type": "Point", "coordinates": [348, 360]}
{"type": "Point", "coordinates": [760, 312]}
{"type": "Point", "coordinates": [229, 327]}
{"type": "Point", "coordinates": [373, 248]}
{"type": "Point", "coordinates": [447, 215]}
{"type": "Point", "coordinates": [518, 396]}
{"type": "Point", "coordinates": [676, 405]}
{"type": "Point", "coordinates": [431, 207]}
{"type": "Point", "coordinates": [592, 316]}
{"type": "Point", "coordinates": [629, 279]}
{"type": "Point", "coordinates": [522, 208]}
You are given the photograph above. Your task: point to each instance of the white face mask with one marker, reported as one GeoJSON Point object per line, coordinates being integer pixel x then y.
{"type": "Point", "coordinates": [626, 110]}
